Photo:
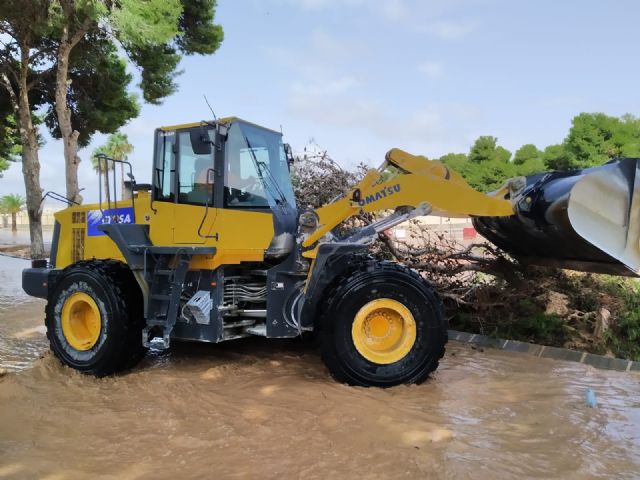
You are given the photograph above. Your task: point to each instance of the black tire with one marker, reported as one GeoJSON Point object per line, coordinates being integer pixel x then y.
{"type": "Point", "coordinates": [370, 281]}
{"type": "Point", "coordinates": [117, 295]}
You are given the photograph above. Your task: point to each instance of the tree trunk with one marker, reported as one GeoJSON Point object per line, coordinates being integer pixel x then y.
{"type": "Point", "coordinates": [30, 163]}
{"type": "Point", "coordinates": [63, 112]}
{"type": "Point", "coordinates": [14, 226]}
{"type": "Point", "coordinates": [31, 173]}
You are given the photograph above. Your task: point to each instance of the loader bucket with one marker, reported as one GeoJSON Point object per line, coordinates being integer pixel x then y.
{"type": "Point", "coordinates": [586, 220]}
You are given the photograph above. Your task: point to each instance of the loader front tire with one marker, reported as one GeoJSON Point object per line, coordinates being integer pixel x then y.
{"type": "Point", "coordinates": [94, 318]}
{"type": "Point", "coordinates": [382, 325]}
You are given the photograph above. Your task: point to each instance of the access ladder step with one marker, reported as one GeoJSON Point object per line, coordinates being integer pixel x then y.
{"type": "Point", "coordinates": [160, 296]}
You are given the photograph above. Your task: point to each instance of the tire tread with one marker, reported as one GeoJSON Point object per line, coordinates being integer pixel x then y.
{"type": "Point", "coordinates": [361, 264]}
{"type": "Point", "coordinates": [129, 308]}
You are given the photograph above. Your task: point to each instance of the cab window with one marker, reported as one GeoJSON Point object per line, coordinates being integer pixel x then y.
{"type": "Point", "coordinates": [195, 178]}
{"type": "Point", "coordinates": [246, 160]}
{"type": "Point", "coordinates": [164, 171]}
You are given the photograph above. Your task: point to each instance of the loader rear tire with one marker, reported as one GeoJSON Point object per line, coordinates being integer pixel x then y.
{"type": "Point", "coordinates": [382, 325]}
{"type": "Point", "coordinates": [94, 318]}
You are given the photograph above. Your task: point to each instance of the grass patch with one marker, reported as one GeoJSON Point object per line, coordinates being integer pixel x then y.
{"type": "Point", "coordinates": [520, 312]}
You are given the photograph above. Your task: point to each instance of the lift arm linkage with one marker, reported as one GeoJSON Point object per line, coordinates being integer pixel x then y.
{"type": "Point", "coordinates": [422, 183]}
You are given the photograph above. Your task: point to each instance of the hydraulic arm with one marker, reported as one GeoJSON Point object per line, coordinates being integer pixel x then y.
{"type": "Point", "coordinates": [415, 186]}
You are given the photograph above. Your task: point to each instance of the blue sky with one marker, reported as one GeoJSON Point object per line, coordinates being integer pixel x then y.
{"type": "Point", "coordinates": [363, 76]}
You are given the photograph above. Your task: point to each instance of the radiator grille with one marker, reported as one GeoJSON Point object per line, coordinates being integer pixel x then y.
{"type": "Point", "coordinates": [78, 217]}
{"type": "Point", "coordinates": [77, 247]}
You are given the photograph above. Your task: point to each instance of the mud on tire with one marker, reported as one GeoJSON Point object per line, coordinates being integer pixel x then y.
{"type": "Point", "coordinates": [117, 296]}
{"type": "Point", "coordinates": [372, 281]}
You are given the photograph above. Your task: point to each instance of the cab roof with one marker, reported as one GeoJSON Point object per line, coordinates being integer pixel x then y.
{"type": "Point", "coordinates": [224, 121]}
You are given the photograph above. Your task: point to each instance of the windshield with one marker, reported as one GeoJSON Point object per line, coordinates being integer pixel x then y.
{"type": "Point", "coordinates": [257, 173]}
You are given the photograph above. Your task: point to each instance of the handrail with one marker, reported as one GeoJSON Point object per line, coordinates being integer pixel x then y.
{"type": "Point", "coordinates": [60, 198]}
{"type": "Point", "coordinates": [101, 157]}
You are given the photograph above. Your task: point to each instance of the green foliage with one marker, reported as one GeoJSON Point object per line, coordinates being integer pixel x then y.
{"type": "Point", "coordinates": [10, 141]}
{"type": "Point", "coordinates": [158, 64]}
{"type": "Point", "coordinates": [117, 147]}
{"type": "Point", "coordinates": [12, 203]}
{"type": "Point", "coordinates": [486, 149]}
{"type": "Point", "coordinates": [154, 35]}
{"type": "Point", "coordinates": [199, 33]}
{"type": "Point", "coordinates": [502, 155]}
{"type": "Point", "coordinates": [591, 139]}
{"type": "Point", "coordinates": [490, 175]}
{"type": "Point", "coordinates": [150, 22]}
{"type": "Point", "coordinates": [10, 147]}
{"type": "Point", "coordinates": [594, 138]}
{"type": "Point", "coordinates": [456, 161]}
{"type": "Point", "coordinates": [196, 33]}
{"type": "Point", "coordinates": [486, 167]}
{"type": "Point", "coordinates": [557, 157]}
{"type": "Point", "coordinates": [525, 322]}
{"type": "Point", "coordinates": [526, 153]}
{"type": "Point", "coordinates": [97, 95]}
{"type": "Point", "coordinates": [623, 338]}
{"type": "Point", "coordinates": [627, 137]}
{"type": "Point", "coordinates": [536, 328]}
{"type": "Point", "coordinates": [483, 149]}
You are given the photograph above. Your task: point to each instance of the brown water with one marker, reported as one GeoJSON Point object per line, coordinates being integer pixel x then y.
{"type": "Point", "coordinates": [267, 409]}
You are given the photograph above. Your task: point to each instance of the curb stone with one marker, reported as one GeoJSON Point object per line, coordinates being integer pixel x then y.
{"type": "Point", "coordinates": [597, 361]}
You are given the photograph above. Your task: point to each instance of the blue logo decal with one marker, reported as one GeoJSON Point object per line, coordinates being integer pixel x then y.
{"type": "Point", "coordinates": [385, 192]}
{"type": "Point", "coordinates": [95, 218]}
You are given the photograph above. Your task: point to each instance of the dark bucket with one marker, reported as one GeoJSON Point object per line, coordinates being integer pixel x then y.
{"type": "Point", "coordinates": [586, 220]}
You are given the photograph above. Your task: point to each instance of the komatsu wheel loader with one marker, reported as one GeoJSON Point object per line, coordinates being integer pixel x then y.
{"type": "Point", "coordinates": [215, 249]}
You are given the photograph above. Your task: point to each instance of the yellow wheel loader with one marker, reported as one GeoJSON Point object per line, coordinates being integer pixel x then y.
{"type": "Point", "coordinates": [215, 249]}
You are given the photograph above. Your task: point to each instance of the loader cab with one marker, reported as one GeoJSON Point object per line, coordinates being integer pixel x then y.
{"type": "Point", "coordinates": [205, 173]}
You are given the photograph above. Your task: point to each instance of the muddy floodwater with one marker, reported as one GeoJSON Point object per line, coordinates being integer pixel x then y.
{"type": "Point", "coordinates": [267, 409]}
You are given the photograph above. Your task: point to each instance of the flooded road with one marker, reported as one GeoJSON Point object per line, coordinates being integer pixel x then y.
{"type": "Point", "coordinates": [267, 409]}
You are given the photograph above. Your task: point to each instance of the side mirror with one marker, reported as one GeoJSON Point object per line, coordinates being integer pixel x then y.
{"type": "Point", "coordinates": [288, 153]}
{"type": "Point", "coordinates": [223, 129]}
{"type": "Point", "coordinates": [200, 142]}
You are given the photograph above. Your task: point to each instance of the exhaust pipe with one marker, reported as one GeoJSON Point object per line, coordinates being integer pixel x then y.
{"type": "Point", "coordinates": [587, 220]}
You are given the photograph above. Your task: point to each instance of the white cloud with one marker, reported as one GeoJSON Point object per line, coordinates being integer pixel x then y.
{"type": "Point", "coordinates": [444, 19]}
{"type": "Point", "coordinates": [313, 4]}
{"type": "Point", "coordinates": [432, 69]}
{"type": "Point", "coordinates": [393, 10]}
{"type": "Point", "coordinates": [325, 4]}
{"type": "Point", "coordinates": [433, 129]}
{"type": "Point", "coordinates": [321, 59]}
{"type": "Point", "coordinates": [332, 87]}
{"type": "Point", "coordinates": [329, 46]}
{"type": "Point", "coordinates": [449, 30]}
{"type": "Point", "coordinates": [334, 110]}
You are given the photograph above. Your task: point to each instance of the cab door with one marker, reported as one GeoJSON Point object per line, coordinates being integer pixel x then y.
{"type": "Point", "coordinates": [194, 215]}
{"type": "Point", "coordinates": [164, 179]}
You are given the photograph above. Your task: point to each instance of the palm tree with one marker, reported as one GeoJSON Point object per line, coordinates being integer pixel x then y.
{"type": "Point", "coordinates": [12, 204]}
{"type": "Point", "coordinates": [103, 168]}
{"type": "Point", "coordinates": [118, 148]}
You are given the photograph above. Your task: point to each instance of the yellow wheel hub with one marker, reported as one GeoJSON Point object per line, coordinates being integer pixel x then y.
{"type": "Point", "coordinates": [81, 321]}
{"type": "Point", "coordinates": [384, 331]}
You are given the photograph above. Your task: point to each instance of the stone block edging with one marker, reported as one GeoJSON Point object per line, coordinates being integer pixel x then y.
{"type": "Point", "coordinates": [597, 361]}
